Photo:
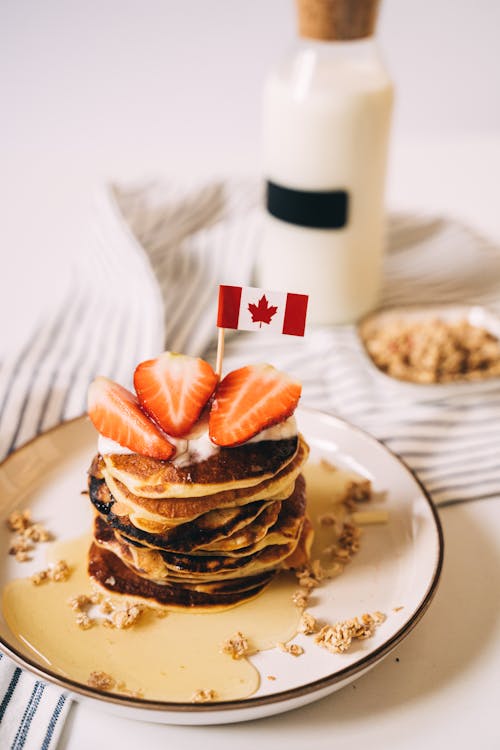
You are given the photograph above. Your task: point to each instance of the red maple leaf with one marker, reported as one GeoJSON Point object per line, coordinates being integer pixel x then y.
{"type": "Point", "coordinates": [262, 312]}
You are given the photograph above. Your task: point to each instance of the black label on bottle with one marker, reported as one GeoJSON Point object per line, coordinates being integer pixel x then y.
{"type": "Point", "coordinates": [321, 209]}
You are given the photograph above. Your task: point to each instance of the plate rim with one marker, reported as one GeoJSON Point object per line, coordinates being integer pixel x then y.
{"type": "Point", "coordinates": [282, 696]}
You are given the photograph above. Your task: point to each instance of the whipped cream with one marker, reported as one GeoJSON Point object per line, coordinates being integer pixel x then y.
{"type": "Point", "coordinates": [282, 431]}
{"type": "Point", "coordinates": [197, 446]}
{"type": "Point", "coordinates": [108, 447]}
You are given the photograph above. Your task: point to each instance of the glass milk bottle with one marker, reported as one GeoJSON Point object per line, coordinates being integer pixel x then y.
{"type": "Point", "coordinates": [326, 117]}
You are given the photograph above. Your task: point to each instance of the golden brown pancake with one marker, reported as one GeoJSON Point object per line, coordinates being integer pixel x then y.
{"type": "Point", "coordinates": [301, 555]}
{"type": "Point", "coordinates": [156, 515]}
{"type": "Point", "coordinates": [247, 536]}
{"type": "Point", "coordinates": [162, 566]}
{"type": "Point", "coordinates": [213, 528]}
{"type": "Point", "coordinates": [112, 575]}
{"type": "Point", "coordinates": [227, 469]}
{"type": "Point", "coordinates": [205, 536]}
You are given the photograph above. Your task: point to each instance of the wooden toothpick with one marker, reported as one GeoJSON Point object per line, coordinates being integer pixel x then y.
{"type": "Point", "coordinates": [220, 352]}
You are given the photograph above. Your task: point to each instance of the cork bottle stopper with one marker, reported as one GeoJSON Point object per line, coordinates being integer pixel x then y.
{"type": "Point", "coordinates": [340, 20]}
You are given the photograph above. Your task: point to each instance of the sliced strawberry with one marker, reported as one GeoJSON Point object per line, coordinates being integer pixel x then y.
{"type": "Point", "coordinates": [250, 399]}
{"type": "Point", "coordinates": [173, 389]}
{"type": "Point", "coordinates": [116, 414]}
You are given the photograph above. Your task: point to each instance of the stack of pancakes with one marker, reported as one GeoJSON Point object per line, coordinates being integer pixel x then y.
{"type": "Point", "coordinates": [204, 536]}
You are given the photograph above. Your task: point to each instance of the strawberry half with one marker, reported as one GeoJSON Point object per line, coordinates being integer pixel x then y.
{"type": "Point", "coordinates": [116, 414]}
{"type": "Point", "coordinates": [173, 389]}
{"type": "Point", "coordinates": [248, 401]}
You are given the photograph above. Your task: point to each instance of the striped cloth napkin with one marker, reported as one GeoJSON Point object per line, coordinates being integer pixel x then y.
{"type": "Point", "coordinates": [148, 281]}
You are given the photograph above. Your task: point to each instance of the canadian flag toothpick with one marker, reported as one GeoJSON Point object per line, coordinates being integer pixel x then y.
{"type": "Point", "coordinates": [248, 308]}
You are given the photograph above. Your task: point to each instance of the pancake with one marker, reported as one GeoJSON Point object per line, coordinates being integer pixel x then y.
{"type": "Point", "coordinates": [111, 575]}
{"type": "Point", "coordinates": [156, 515]}
{"type": "Point", "coordinates": [227, 469]}
{"type": "Point", "coordinates": [202, 536]}
{"type": "Point", "coordinates": [214, 527]}
{"type": "Point", "coordinates": [162, 566]}
{"type": "Point", "coordinates": [302, 553]}
{"type": "Point", "coordinates": [248, 535]}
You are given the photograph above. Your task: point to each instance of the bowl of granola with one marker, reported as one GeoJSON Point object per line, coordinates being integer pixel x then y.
{"type": "Point", "coordinates": [433, 350]}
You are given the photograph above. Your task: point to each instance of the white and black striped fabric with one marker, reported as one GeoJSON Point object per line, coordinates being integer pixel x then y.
{"type": "Point", "coordinates": [148, 280]}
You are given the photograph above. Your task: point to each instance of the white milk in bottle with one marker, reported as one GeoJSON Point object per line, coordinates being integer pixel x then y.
{"type": "Point", "coordinates": [326, 118]}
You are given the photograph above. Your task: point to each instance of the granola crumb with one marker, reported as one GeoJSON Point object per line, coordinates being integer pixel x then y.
{"type": "Point", "coordinates": [79, 602]}
{"type": "Point", "coordinates": [290, 648]}
{"type": "Point", "coordinates": [337, 638]}
{"type": "Point", "coordinates": [83, 621]}
{"type": "Point", "coordinates": [126, 616]}
{"type": "Point", "coordinates": [236, 647]}
{"type": "Point", "coordinates": [397, 609]}
{"type": "Point", "coordinates": [42, 576]}
{"type": "Point", "coordinates": [271, 677]}
{"type": "Point", "coordinates": [336, 568]}
{"type": "Point", "coordinates": [204, 696]}
{"type": "Point", "coordinates": [21, 548]}
{"type": "Point", "coordinates": [57, 572]}
{"type": "Point", "coordinates": [328, 519]}
{"type": "Point", "coordinates": [307, 624]}
{"type": "Point", "coordinates": [116, 618]}
{"type": "Point", "coordinates": [306, 580]}
{"type": "Point", "coordinates": [80, 605]}
{"type": "Point", "coordinates": [106, 606]}
{"type": "Point", "coordinates": [101, 681]}
{"type": "Point", "coordinates": [37, 533]}
{"type": "Point", "coordinates": [122, 688]}
{"type": "Point", "coordinates": [347, 544]}
{"type": "Point", "coordinates": [317, 570]}
{"type": "Point", "coordinates": [300, 597]}
{"type": "Point", "coordinates": [19, 520]}
{"type": "Point", "coordinates": [357, 491]}
{"type": "Point", "coordinates": [23, 557]}
{"type": "Point", "coordinates": [311, 575]}
{"type": "Point", "coordinates": [27, 531]}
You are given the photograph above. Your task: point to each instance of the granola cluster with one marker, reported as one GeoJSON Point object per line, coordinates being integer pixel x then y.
{"type": "Point", "coordinates": [119, 617]}
{"type": "Point", "coordinates": [204, 696]}
{"type": "Point", "coordinates": [290, 648]}
{"type": "Point", "coordinates": [27, 534]}
{"type": "Point", "coordinates": [433, 351]}
{"type": "Point", "coordinates": [307, 624]}
{"type": "Point", "coordinates": [236, 647]}
{"type": "Point", "coordinates": [101, 681]}
{"type": "Point", "coordinates": [337, 638]}
{"type": "Point", "coordinates": [57, 572]}
{"type": "Point", "coordinates": [346, 545]}
{"type": "Point", "coordinates": [104, 681]}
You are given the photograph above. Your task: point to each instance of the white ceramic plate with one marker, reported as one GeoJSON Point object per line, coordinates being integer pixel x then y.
{"type": "Point", "coordinates": [396, 571]}
{"type": "Point", "coordinates": [474, 314]}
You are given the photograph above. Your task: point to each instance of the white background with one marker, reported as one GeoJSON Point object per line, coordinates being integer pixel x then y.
{"type": "Point", "coordinates": [120, 89]}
